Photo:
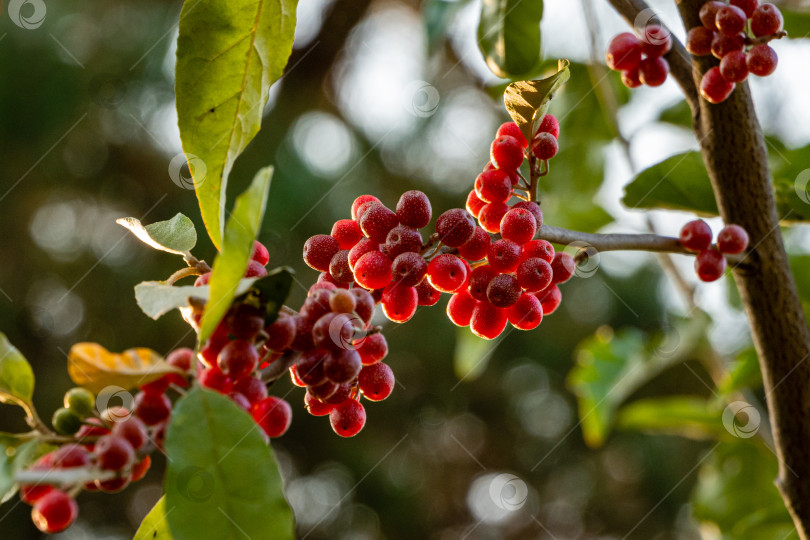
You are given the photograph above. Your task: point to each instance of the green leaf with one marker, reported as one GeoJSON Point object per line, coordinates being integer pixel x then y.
{"type": "Point", "coordinates": [16, 375]}
{"type": "Point", "coordinates": [742, 373]}
{"type": "Point", "coordinates": [735, 493]}
{"type": "Point", "coordinates": [471, 354]}
{"type": "Point", "coordinates": [271, 291]}
{"type": "Point", "coordinates": [610, 367]}
{"type": "Point", "coordinates": [230, 264]}
{"type": "Point", "coordinates": [527, 101]}
{"type": "Point", "coordinates": [438, 15]}
{"type": "Point", "coordinates": [222, 480]}
{"type": "Point", "coordinates": [176, 235]}
{"type": "Point", "coordinates": [679, 182]}
{"type": "Point", "coordinates": [509, 37]}
{"type": "Point", "coordinates": [687, 416]}
{"type": "Point", "coordinates": [155, 526]}
{"type": "Point", "coordinates": [679, 115]}
{"type": "Point", "coordinates": [228, 55]}
{"type": "Point", "coordinates": [14, 456]}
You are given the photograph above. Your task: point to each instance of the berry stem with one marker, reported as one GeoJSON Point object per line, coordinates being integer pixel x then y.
{"type": "Point", "coordinates": [183, 272]}
{"type": "Point", "coordinates": [765, 39]}
{"type": "Point", "coordinates": [64, 477]}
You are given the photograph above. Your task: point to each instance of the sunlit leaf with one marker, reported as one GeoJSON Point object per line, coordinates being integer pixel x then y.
{"type": "Point", "coordinates": [176, 235]}
{"type": "Point", "coordinates": [155, 526]}
{"type": "Point", "coordinates": [687, 416]}
{"type": "Point", "coordinates": [94, 367]}
{"type": "Point", "coordinates": [222, 480]}
{"type": "Point", "coordinates": [527, 101]}
{"type": "Point", "coordinates": [509, 37]}
{"type": "Point", "coordinates": [230, 264]}
{"type": "Point", "coordinates": [16, 375]}
{"type": "Point", "coordinates": [228, 55]}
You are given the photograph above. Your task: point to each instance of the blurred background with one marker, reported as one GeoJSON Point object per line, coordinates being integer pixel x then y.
{"type": "Point", "coordinates": [379, 97]}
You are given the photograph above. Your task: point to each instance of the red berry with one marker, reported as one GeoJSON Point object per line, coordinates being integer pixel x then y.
{"type": "Point", "coordinates": [623, 52]}
{"type": "Point", "coordinates": [373, 270]}
{"type": "Point", "coordinates": [376, 382]}
{"type": "Point", "coordinates": [372, 349]}
{"type": "Point", "coordinates": [730, 20]}
{"type": "Point", "coordinates": [699, 41]}
{"type": "Point", "coordinates": [512, 130]}
{"type": "Point", "coordinates": [319, 250]}
{"type": "Point", "coordinates": [324, 390]}
{"type": "Point", "coordinates": [507, 152]}
{"type": "Point", "coordinates": [537, 248]}
{"type": "Point", "coordinates": [409, 269]}
{"type": "Point", "coordinates": [402, 239]}
{"type": "Point", "coordinates": [563, 267]}
{"type": "Point", "coordinates": [518, 225]}
{"type": "Point", "coordinates": [479, 281]}
{"type": "Point", "coordinates": [139, 469]}
{"type": "Point", "coordinates": [455, 227]}
{"type": "Point", "coordinates": [710, 264]}
{"type": "Point", "coordinates": [550, 299]}
{"type": "Point", "coordinates": [310, 366]}
{"type": "Point", "coordinates": [281, 333]}
{"type": "Point", "coordinates": [487, 320]}
{"type": "Point", "coordinates": [631, 78]}
{"type": "Point", "coordinates": [133, 430]}
{"type": "Point", "coordinates": [714, 88]}
{"type": "Point", "coordinates": [544, 146]}
{"type": "Point", "coordinates": [157, 386]}
{"type": "Point", "coordinates": [377, 220]}
{"type": "Point", "coordinates": [722, 44]}
{"type": "Point", "coordinates": [203, 279]}
{"type": "Point", "coordinates": [315, 406]}
{"type": "Point", "coordinates": [254, 269]}
{"type": "Point", "coordinates": [503, 291]}
{"type": "Point", "coordinates": [364, 307]}
{"type": "Point", "coordinates": [491, 215]}
{"type": "Point", "coordinates": [348, 418]}
{"type": "Point", "coordinates": [653, 71]}
{"type": "Point", "coordinates": [493, 186]}
{"type": "Point", "coordinates": [339, 267]}
{"type": "Point", "coordinates": [260, 253]}
{"type": "Point", "coordinates": [413, 209]}
{"type": "Point", "coordinates": [534, 274]}
{"type": "Point", "coordinates": [114, 452]}
{"type": "Point", "coordinates": [446, 273]}
{"type": "Point", "coordinates": [460, 308]}
{"type": "Point", "coordinates": [54, 512]}
{"type": "Point", "coordinates": [504, 256]}
{"type": "Point", "coordinates": [181, 358]}
{"type": "Point", "coordinates": [347, 233]}
{"type": "Point", "coordinates": [708, 14]}
{"type": "Point", "coordinates": [153, 408]}
{"type": "Point", "coordinates": [361, 248]}
{"type": "Point", "coordinates": [733, 67]}
{"type": "Point", "coordinates": [732, 239]}
{"type": "Point", "coordinates": [296, 380]}
{"type": "Point", "coordinates": [761, 60]}
{"type": "Point", "coordinates": [532, 207]}
{"type": "Point", "coordinates": [766, 20]}
{"type": "Point", "coordinates": [111, 486]}
{"type": "Point", "coordinates": [526, 314]}
{"type": "Point", "coordinates": [426, 294]}
{"type": "Point", "coordinates": [550, 124]}
{"type": "Point", "coordinates": [696, 235]}
{"type": "Point", "coordinates": [273, 415]}
{"type": "Point", "coordinates": [476, 247]}
{"type": "Point", "coordinates": [474, 204]}
{"type": "Point", "coordinates": [656, 41]}
{"type": "Point", "coordinates": [748, 6]}
{"type": "Point", "coordinates": [332, 331]}
{"type": "Point", "coordinates": [359, 202]}
{"type": "Point", "coordinates": [252, 388]}
{"type": "Point", "coordinates": [399, 303]}
{"type": "Point", "coordinates": [238, 359]}
{"type": "Point", "coordinates": [342, 366]}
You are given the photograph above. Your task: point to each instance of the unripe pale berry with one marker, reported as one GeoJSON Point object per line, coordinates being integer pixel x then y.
{"type": "Point", "coordinates": [761, 60]}
{"type": "Point", "coordinates": [426, 294]}
{"type": "Point", "coordinates": [732, 239]}
{"type": "Point", "coordinates": [342, 301]}
{"type": "Point", "coordinates": [348, 418]}
{"type": "Point", "coordinates": [80, 401]}
{"type": "Point", "coordinates": [526, 314]}
{"type": "Point", "coordinates": [493, 186]}
{"type": "Point", "coordinates": [653, 71]}
{"type": "Point", "coordinates": [319, 250]}
{"type": "Point", "coordinates": [550, 124]}
{"type": "Point", "coordinates": [65, 421]}
{"type": "Point", "coordinates": [399, 303]}
{"type": "Point", "coordinates": [504, 256]}
{"type": "Point", "coordinates": [446, 273]}
{"type": "Point", "coordinates": [487, 320]}
{"type": "Point", "coordinates": [696, 235]}
{"type": "Point", "coordinates": [503, 291]}
{"type": "Point", "coordinates": [550, 299]}
{"type": "Point", "coordinates": [563, 266]}
{"type": "Point", "coordinates": [506, 153]}
{"type": "Point", "coordinates": [544, 146]}
{"type": "Point", "coordinates": [655, 41]}
{"type": "Point", "coordinates": [714, 88]}
{"type": "Point", "coordinates": [491, 215]}
{"type": "Point", "coordinates": [476, 247]}
{"type": "Point", "coordinates": [347, 232]}
{"type": "Point", "coordinates": [766, 20]}
{"type": "Point", "coordinates": [710, 264]}
{"type": "Point", "coordinates": [511, 129]}
{"type": "Point", "coordinates": [373, 270]}
{"type": "Point", "coordinates": [623, 52]}
{"type": "Point", "coordinates": [699, 41]}
{"type": "Point", "coordinates": [273, 415]}
{"type": "Point", "coordinates": [413, 209]}
{"type": "Point", "coordinates": [733, 67]}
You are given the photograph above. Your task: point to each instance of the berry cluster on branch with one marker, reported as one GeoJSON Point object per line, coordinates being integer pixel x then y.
{"type": "Point", "coordinates": [640, 60]}
{"type": "Point", "coordinates": [710, 262]}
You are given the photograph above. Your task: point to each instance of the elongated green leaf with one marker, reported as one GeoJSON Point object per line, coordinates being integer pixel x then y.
{"type": "Point", "coordinates": [155, 526]}
{"type": "Point", "coordinates": [230, 264]}
{"type": "Point", "coordinates": [16, 375]}
{"type": "Point", "coordinates": [509, 37]}
{"type": "Point", "coordinates": [687, 416]}
{"type": "Point", "coordinates": [228, 55]}
{"type": "Point", "coordinates": [14, 456]}
{"type": "Point", "coordinates": [176, 235]}
{"type": "Point", "coordinates": [527, 101]}
{"type": "Point", "coordinates": [222, 480]}
{"type": "Point", "coordinates": [271, 291]}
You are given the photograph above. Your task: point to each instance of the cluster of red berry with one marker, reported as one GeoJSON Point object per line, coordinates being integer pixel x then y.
{"type": "Point", "coordinates": [726, 32]}
{"type": "Point", "coordinates": [641, 60]}
{"type": "Point", "coordinates": [710, 262]}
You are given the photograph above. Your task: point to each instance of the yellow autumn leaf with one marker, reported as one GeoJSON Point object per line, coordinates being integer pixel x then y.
{"type": "Point", "coordinates": [92, 366]}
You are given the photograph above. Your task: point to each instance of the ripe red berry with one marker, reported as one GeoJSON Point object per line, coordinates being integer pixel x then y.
{"type": "Point", "coordinates": [446, 273]}
{"type": "Point", "coordinates": [409, 269]}
{"type": "Point", "coordinates": [491, 215]}
{"type": "Point", "coordinates": [487, 320]}
{"type": "Point", "coordinates": [761, 60]}
{"type": "Point", "coordinates": [254, 269]}
{"type": "Point", "coordinates": [653, 71]}
{"type": "Point", "coordinates": [511, 129]}
{"type": "Point", "coordinates": [550, 124]}
{"type": "Point", "coordinates": [339, 267]}
{"type": "Point", "coordinates": [474, 204]}
{"type": "Point", "coordinates": [319, 250]}
{"type": "Point", "coordinates": [377, 220]}
{"type": "Point", "coordinates": [365, 304]}
{"type": "Point", "coordinates": [544, 146]}
{"type": "Point", "coordinates": [714, 88]}
{"type": "Point", "coordinates": [493, 186]}
{"type": "Point", "coordinates": [537, 248]}
{"type": "Point", "coordinates": [140, 469]}
{"type": "Point", "coordinates": [699, 41]}
{"type": "Point", "coordinates": [252, 388]}
{"type": "Point", "coordinates": [273, 415]}
{"type": "Point", "coordinates": [506, 153]}
{"type": "Point", "coordinates": [372, 349]}
{"type": "Point", "coordinates": [766, 20]}
{"type": "Point", "coordinates": [631, 78]}
{"type": "Point", "coordinates": [748, 6]}
{"type": "Point", "coordinates": [504, 256]}
{"type": "Point", "coordinates": [733, 67]}
{"type": "Point", "coordinates": [732, 239]}
{"type": "Point", "coordinates": [534, 274]}
{"type": "Point", "coordinates": [563, 266]}
{"type": "Point", "coordinates": [133, 430]}
{"type": "Point", "coordinates": [730, 20]}
{"type": "Point", "coordinates": [479, 281]}
{"type": "Point", "coordinates": [708, 14]}
{"type": "Point", "coordinates": [696, 235]}
{"type": "Point", "coordinates": [181, 358]}
{"type": "Point", "coordinates": [238, 359]}
{"type": "Point", "coordinates": [526, 314]}
{"type": "Point", "coordinates": [281, 333]}
{"type": "Point", "coordinates": [347, 232]}
{"type": "Point", "coordinates": [342, 366]}
{"type": "Point", "coordinates": [401, 239]}
{"type": "Point", "coordinates": [348, 418]}
{"type": "Point", "coordinates": [722, 44]}
{"type": "Point", "coordinates": [460, 308]}
{"type": "Point", "coordinates": [426, 294]}
{"type": "Point", "coordinates": [503, 291]}
{"type": "Point", "coordinates": [203, 279]}
{"type": "Point", "coordinates": [359, 202]}
{"type": "Point", "coordinates": [324, 391]}
{"type": "Point", "coordinates": [399, 303]}
{"type": "Point", "coordinates": [518, 225]}
{"type": "Point", "coordinates": [315, 406]}
{"type": "Point", "coordinates": [455, 227]}
{"type": "Point", "coordinates": [111, 486]}
{"type": "Point", "coordinates": [550, 299]}
{"type": "Point", "coordinates": [260, 253]}
{"type": "Point", "coordinates": [373, 270]}
{"type": "Point", "coordinates": [623, 52]}
{"type": "Point", "coordinates": [710, 264]}
{"type": "Point", "coordinates": [476, 247]}
{"type": "Point", "coordinates": [153, 408]}
{"type": "Point", "coordinates": [376, 382]}
{"type": "Point", "coordinates": [361, 248]}
{"type": "Point", "coordinates": [413, 209]}
{"type": "Point", "coordinates": [656, 41]}
{"type": "Point", "coordinates": [114, 452]}
{"type": "Point", "coordinates": [54, 512]}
